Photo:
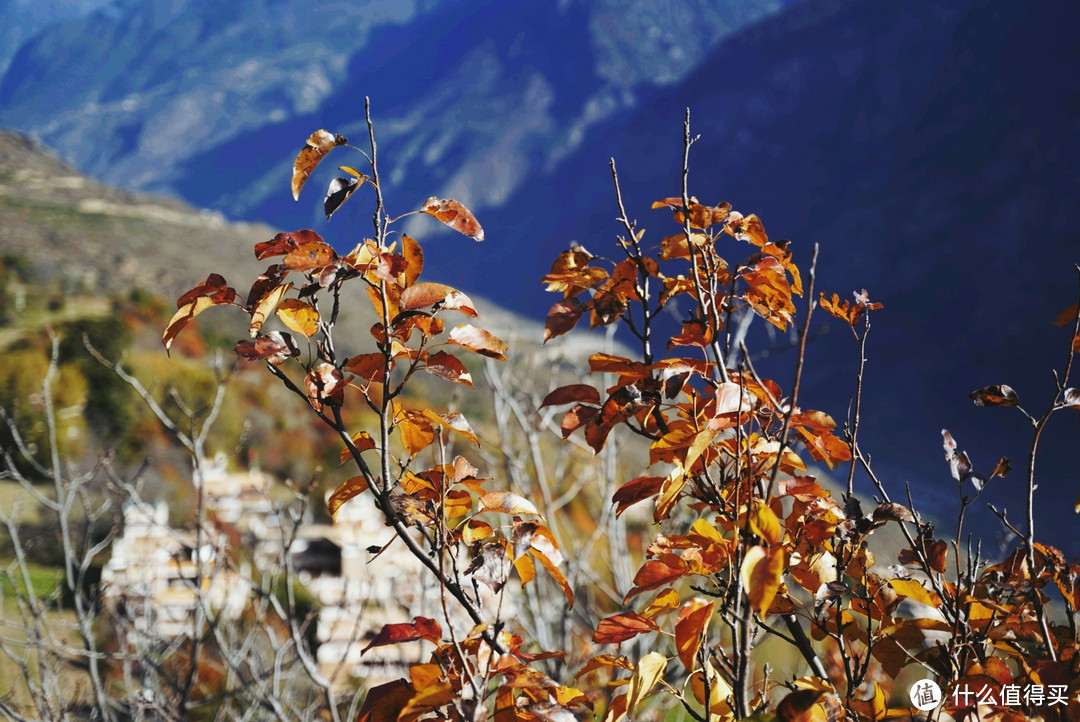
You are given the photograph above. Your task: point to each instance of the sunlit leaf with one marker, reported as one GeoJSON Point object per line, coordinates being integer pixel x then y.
{"type": "Point", "coordinates": [183, 316]}
{"type": "Point", "coordinates": [424, 295]}
{"type": "Point", "coordinates": [491, 566]}
{"type": "Point", "coordinates": [299, 316]}
{"type": "Point", "coordinates": [562, 317]}
{"type": "Point", "coordinates": [760, 574]}
{"type": "Point", "coordinates": [284, 243]}
{"type": "Point", "coordinates": [478, 340]}
{"type": "Point", "coordinates": [349, 489]}
{"type": "Point", "coordinates": [454, 215]}
{"type": "Point", "coordinates": [265, 307]}
{"type": "Point", "coordinates": [555, 573]}
{"type": "Point", "coordinates": [318, 145]}
{"type": "Point", "coordinates": [650, 670]}
{"type": "Point", "coordinates": [414, 259]}
{"type": "Point", "coordinates": [324, 385]}
{"type": "Point", "coordinates": [368, 366]}
{"type": "Point", "coordinates": [657, 573]}
{"type": "Point", "coordinates": [507, 503]}
{"type": "Point", "coordinates": [362, 441]}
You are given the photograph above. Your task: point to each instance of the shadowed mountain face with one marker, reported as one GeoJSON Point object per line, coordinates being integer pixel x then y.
{"type": "Point", "coordinates": [929, 147]}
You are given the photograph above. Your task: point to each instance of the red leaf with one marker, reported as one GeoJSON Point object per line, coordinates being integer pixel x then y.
{"type": "Point", "coordinates": [636, 490]}
{"type": "Point", "coordinates": [283, 243]}
{"type": "Point", "coordinates": [419, 628]}
{"type": "Point", "coordinates": [449, 367]}
{"type": "Point", "coordinates": [214, 287]}
{"type": "Point", "coordinates": [318, 145]}
{"type": "Point", "coordinates": [562, 317]}
{"type": "Point", "coordinates": [385, 702]}
{"type": "Point", "coordinates": [577, 417]}
{"type": "Point", "coordinates": [569, 394]}
{"type": "Point", "coordinates": [657, 573]}
{"type": "Point", "coordinates": [454, 215]}
{"type": "Point", "coordinates": [621, 627]}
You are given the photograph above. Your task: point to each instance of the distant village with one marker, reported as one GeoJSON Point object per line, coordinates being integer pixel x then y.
{"type": "Point", "coordinates": [151, 576]}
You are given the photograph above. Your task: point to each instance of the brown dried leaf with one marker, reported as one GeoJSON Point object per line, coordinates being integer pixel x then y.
{"type": "Point", "coordinates": [572, 393]}
{"type": "Point", "coordinates": [283, 243]}
{"type": "Point", "coordinates": [438, 295]}
{"type": "Point", "coordinates": [621, 627]}
{"type": "Point", "coordinates": [690, 629]}
{"type": "Point", "coordinates": [562, 317]}
{"type": "Point", "coordinates": [1000, 395]}
{"type": "Point", "coordinates": [318, 145]}
{"type": "Point", "coordinates": [419, 628]}
{"type": "Point", "coordinates": [506, 503]}
{"type": "Point", "coordinates": [454, 215]}
{"type": "Point", "coordinates": [310, 256]}
{"type": "Point", "coordinates": [275, 347]}
{"type": "Point", "coordinates": [449, 367]}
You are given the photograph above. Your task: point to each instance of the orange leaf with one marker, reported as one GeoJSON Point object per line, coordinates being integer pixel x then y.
{"type": "Point", "coordinates": [368, 366]}
{"type": "Point", "coordinates": [310, 256]}
{"type": "Point", "coordinates": [353, 487]}
{"type": "Point", "coordinates": [621, 627]}
{"type": "Point", "coordinates": [478, 340]}
{"type": "Point", "coordinates": [414, 259]}
{"type": "Point", "coordinates": [562, 317]}
{"type": "Point", "coordinates": [416, 432]}
{"type": "Point", "coordinates": [636, 490]}
{"type": "Point", "coordinates": [362, 441]}
{"type": "Point", "coordinates": [385, 702]}
{"type": "Point", "coordinates": [318, 145]}
{"type": "Point", "coordinates": [555, 573]}
{"type": "Point", "coordinates": [454, 215]}
{"type": "Point", "coordinates": [458, 503]}
{"type": "Point", "coordinates": [213, 287]}
{"type": "Point", "coordinates": [183, 316]}
{"type": "Point", "coordinates": [657, 573]}
{"type": "Point", "coordinates": [690, 629]}
{"type": "Point", "coordinates": [423, 295]}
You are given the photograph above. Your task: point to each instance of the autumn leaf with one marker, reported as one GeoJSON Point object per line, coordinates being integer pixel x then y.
{"type": "Point", "coordinates": [690, 629]}
{"type": "Point", "coordinates": [346, 491]}
{"type": "Point", "coordinates": [309, 256]}
{"type": "Point", "coordinates": [650, 670]}
{"type": "Point", "coordinates": [283, 243]}
{"type": "Point", "coordinates": [386, 701]}
{"type": "Point", "coordinates": [1001, 395]}
{"type": "Point", "coordinates": [449, 367]}
{"type": "Point", "coordinates": [424, 295]}
{"type": "Point", "coordinates": [414, 259]}
{"type": "Point", "coordinates": [318, 145]}
{"type": "Point", "coordinates": [477, 339]}
{"type": "Point", "coordinates": [621, 627]}
{"type": "Point", "coordinates": [506, 503]}
{"type": "Point", "coordinates": [562, 317]}
{"type": "Point", "coordinates": [265, 307]}
{"type": "Point", "coordinates": [299, 316]}
{"type": "Point", "coordinates": [339, 191]}
{"type": "Point", "coordinates": [362, 440]}
{"type": "Point", "coordinates": [636, 490]}
{"type": "Point", "coordinates": [572, 393]}
{"type": "Point", "coordinates": [183, 316]}
{"type": "Point", "coordinates": [760, 575]}
{"type": "Point", "coordinates": [275, 347]}
{"type": "Point", "coordinates": [454, 215]}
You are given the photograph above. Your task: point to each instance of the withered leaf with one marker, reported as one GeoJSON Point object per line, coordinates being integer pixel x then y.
{"type": "Point", "coordinates": [621, 627]}
{"type": "Point", "coordinates": [183, 316]}
{"type": "Point", "coordinates": [454, 215]}
{"type": "Point", "coordinates": [1001, 395]}
{"type": "Point", "coordinates": [339, 191]}
{"type": "Point", "coordinates": [635, 490]}
{"type": "Point", "coordinates": [414, 259]}
{"type": "Point", "coordinates": [318, 145]}
{"type": "Point", "coordinates": [275, 347]}
{"type": "Point", "coordinates": [283, 243]}
{"type": "Point", "coordinates": [562, 317]}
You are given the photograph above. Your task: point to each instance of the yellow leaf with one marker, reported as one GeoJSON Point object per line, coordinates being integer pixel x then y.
{"type": "Point", "coordinates": [353, 487]}
{"type": "Point", "coordinates": [266, 306]}
{"type": "Point", "coordinates": [650, 670]}
{"type": "Point", "coordinates": [760, 575]}
{"type": "Point", "coordinates": [299, 316]}
{"type": "Point", "coordinates": [766, 525]}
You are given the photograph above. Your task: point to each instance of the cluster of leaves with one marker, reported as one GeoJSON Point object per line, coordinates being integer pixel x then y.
{"type": "Point", "coordinates": [467, 534]}
{"type": "Point", "coordinates": [750, 536]}
{"type": "Point", "coordinates": [752, 545]}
